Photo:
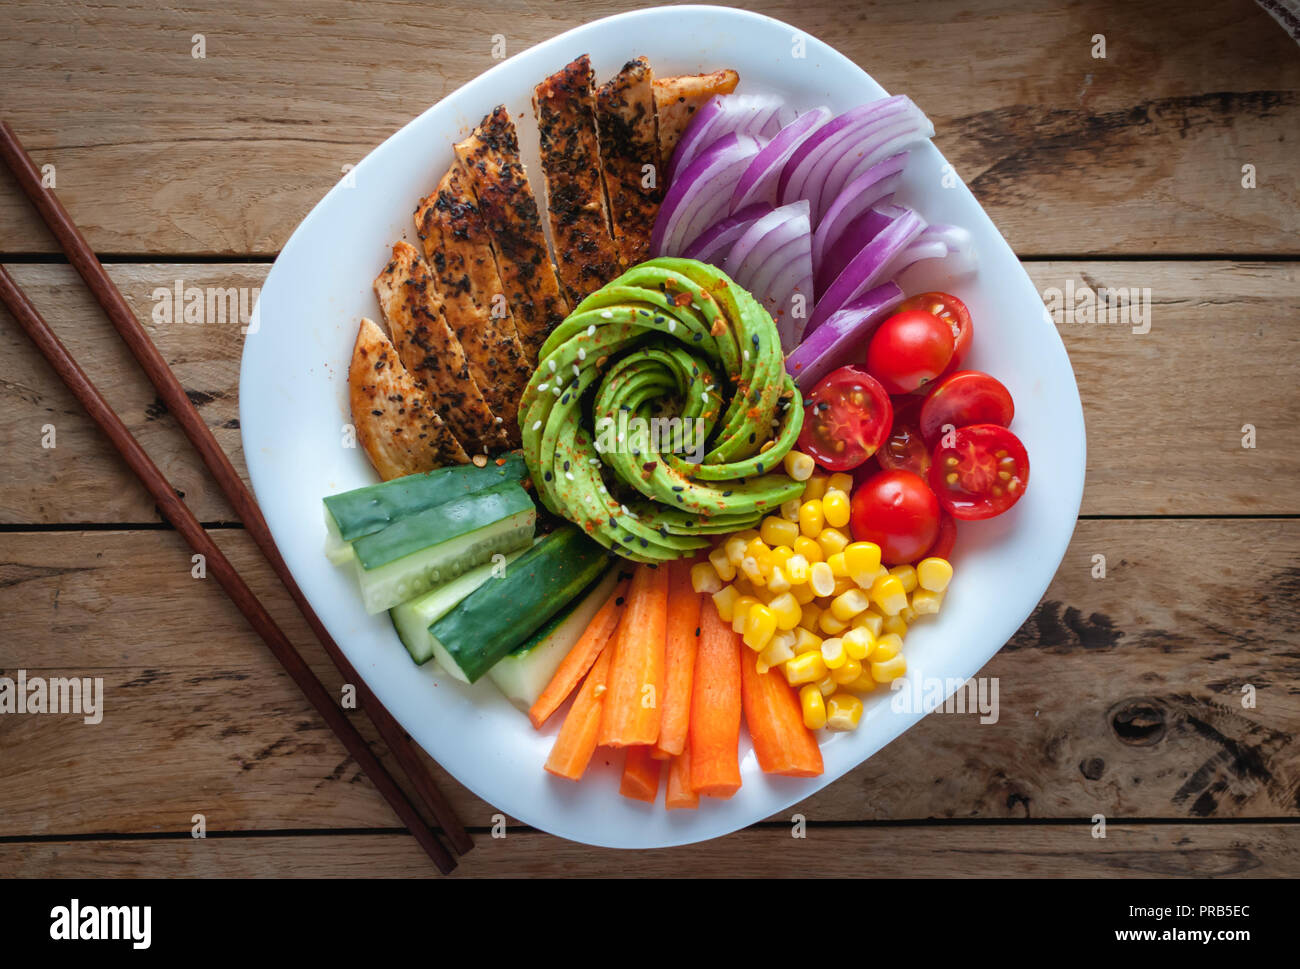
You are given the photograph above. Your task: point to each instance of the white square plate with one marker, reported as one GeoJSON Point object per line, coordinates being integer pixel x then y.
{"type": "Point", "coordinates": [293, 405]}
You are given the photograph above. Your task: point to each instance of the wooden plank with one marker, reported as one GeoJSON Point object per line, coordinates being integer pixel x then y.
{"type": "Point", "coordinates": [964, 851]}
{"type": "Point", "coordinates": [225, 154]}
{"type": "Point", "coordinates": [1120, 695]}
{"type": "Point", "coordinates": [1164, 409]}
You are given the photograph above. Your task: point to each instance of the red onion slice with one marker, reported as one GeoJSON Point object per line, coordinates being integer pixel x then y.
{"type": "Point", "coordinates": [855, 237]}
{"type": "Point", "coordinates": [759, 182]}
{"type": "Point", "coordinates": [701, 195]}
{"type": "Point", "coordinates": [795, 174]}
{"type": "Point", "coordinates": [842, 336]}
{"type": "Point", "coordinates": [755, 115]}
{"type": "Point", "coordinates": [713, 244]}
{"type": "Point", "coordinates": [897, 139]}
{"type": "Point", "coordinates": [858, 197]}
{"type": "Point", "coordinates": [771, 259]}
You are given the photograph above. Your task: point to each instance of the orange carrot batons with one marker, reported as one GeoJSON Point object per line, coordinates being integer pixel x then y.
{"type": "Point", "coordinates": [580, 658]}
{"type": "Point", "coordinates": [783, 744]}
{"type": "Point", "coordinates": [640, 775]}
{"type": "Point", "coordinates": [577, 739]}
{"type": "Point", "coordinates": [679, 793]}
{"type": "Point", "coordinates": [716, 708]}
{"type": "Point", "coordinates": [683, 634]}
{"type": "Point", "coordinates": [636, 674]}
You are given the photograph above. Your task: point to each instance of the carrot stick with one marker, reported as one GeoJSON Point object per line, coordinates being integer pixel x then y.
{"type": "Point", "coordinates": [772, 712]}
{"type": "Point", "coordinates": [640, 775]}
{"type": "Point", "coordinates": [577, 739]}
{"type": "Point", "coordinates": [679, 793]}
{"type": "Point", "coordinates": [636, 670]}
{"type": "Point", "coordinates": [715, 708]}
{"type": "Point", "coordinates": [580, 658]}
{"type": "Point", "coordinates": [679, 660]}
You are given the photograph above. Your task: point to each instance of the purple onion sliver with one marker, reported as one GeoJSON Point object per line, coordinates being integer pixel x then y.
{"type": "Point", "coordinates": [805, 154]}
{"type": "Point", "coordinates": [868, 268]}
{"type": "Point", "coordinates": [718, 238]}
{"type": "Point", "coordinates": [852, 240]}
{"type": "Point", "coordinates": [857, 197]}
{"type": "Point", "coordinates": [843, 334]}
{"type": "Point", "coordinates": [759, 182]}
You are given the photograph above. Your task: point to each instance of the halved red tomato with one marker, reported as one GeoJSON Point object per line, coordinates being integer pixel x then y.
{"type": "Point", "coordinates": [909, 350]}
{"type": "Point", "coordinates": [846, 419]}
{"type": "Point", "coordinates": [905, 449]}
{"type": "Point", "coordinates": [898, 511]}
{"type": "Point", "coordinates": [965, 397]}
{"type": "Point", "coordinates": [953, 312]}
{"type": "Point", "coordinates": [982, 474]}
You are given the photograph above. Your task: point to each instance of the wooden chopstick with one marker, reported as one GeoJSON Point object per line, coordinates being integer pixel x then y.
{"type": "Point", "coordinates": [170, 391]}
{"type": "Point", "coordinates": [179, 514]}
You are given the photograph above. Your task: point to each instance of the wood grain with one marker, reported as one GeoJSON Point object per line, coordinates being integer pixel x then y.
{"type": "Point", "coordinates": [964, 851]}
{"type": "Point", "coordinates": [1120, 695]}
{"type": "Point", "coordinates": [1163, 436]}
{"type": "Point", "coordinates": [1141, 151]}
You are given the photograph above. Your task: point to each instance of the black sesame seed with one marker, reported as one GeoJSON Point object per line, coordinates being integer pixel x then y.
{"type": "Point", "coordinates": [760, 467]}
{"type": "Point", "coordinates": [619, 601]}
{"type": "Point", "coordinates": [726, 494]}
{"type": "Point", "coordinates": [698, 337]}
{"type": "Point", "coordinates": [645, 543]}
{"type": "Point", "coordinates": [547, 476]}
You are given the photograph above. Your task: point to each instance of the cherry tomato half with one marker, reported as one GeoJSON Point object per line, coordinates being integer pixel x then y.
{"type": "Point", "coordinates": [846, 419]}
{"type": "Point", "coordinates": [909, 350]}
{"type": "Point", "coordinates": [982, 474]}
{"type": "Point", "coordinates": [898, 511]}
{"type": "Point", "coordinates": [905, 449]}
{"type": "Point", "coordinates": [966, 397]}
{"type": "Point", "coordinates": [942, 547]}
{"type": "Point", "coordinates": [953, 312]}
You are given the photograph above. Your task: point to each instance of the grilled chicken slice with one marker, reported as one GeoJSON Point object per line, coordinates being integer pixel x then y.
{"type": "Point", "coordinates": [431, 353]}
{"type": "Point", "coordinates": [459, 252]}
{"type": "Point", "coordinates": [565, 106]}
{"type": "Point", "coordinates": [678, 98]}
{"type": "Point", "coordinates": [625, 117]}
{"type": "Point", "coordinates": [505, 200]}
{"type": "Point", "coordinates": [398, 428]}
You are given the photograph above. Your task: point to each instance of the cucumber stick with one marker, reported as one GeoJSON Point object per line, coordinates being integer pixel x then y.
{"type": "Point", "coordinates": [412, 555]}
{"type": "Point", "coordinates": [412, 619]}
{"type": "Point", "coordinates": [523, 673]}
{"type": "Point", "coordinates": [498, 616]}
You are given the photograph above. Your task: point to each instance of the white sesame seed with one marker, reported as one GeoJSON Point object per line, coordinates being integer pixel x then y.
{"type": "Point", "coordinates": [552, 363]}
{"type": "Point", "coordinates": [576, 371]}
{"type": "Point", "coordinates": [746, 355]}
{"type": "Point", "coordinates": [704, 396]}
{"type": "Point", "coordinates": [543, 387]}
{"type": "Point", "coordinates": [672, 325]}
{"type": "Point", "coordinates": [569, 475]}
{"type": "Point", "coordinates": [556, 390]}
{"type": "Point", "coordinates": [606, 314]}
{"type": "Point", "coordinates": [537, 425]}
{"type": "Point", "coordinates": [582, 354]}
{"type": "Point", "coordinates": [591, 330]}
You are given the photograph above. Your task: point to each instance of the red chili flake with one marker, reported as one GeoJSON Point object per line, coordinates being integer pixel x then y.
{"type": "Point", "coordinates": [681, 299]}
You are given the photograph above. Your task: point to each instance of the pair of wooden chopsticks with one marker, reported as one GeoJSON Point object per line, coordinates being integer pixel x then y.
{"type": "Point", "coordinates": [172, 394]}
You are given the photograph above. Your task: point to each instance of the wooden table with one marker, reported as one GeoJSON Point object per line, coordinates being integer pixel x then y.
{"type": "Point", "coordinates": [1121, 696]}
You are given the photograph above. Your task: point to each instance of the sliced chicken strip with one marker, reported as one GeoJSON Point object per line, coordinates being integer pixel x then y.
{"type": "Point", "coordinates": [409, 299]}
{"type": "Point", "coordinates": [625, 118]}
{"type": "Point", "coordinates": [496, 173]}
{"type": "Point", "coordinates": [396, 425]}
{"type": "Point", "coordinates": [459, 252]}
{"type": "Point", "coordinates": [678, 98]}
{"type": "Point", "coordinates": [565, 106]}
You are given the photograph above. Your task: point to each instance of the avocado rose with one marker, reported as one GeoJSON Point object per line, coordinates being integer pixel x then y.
{"type": "Point", "coordinates": [659, 410]}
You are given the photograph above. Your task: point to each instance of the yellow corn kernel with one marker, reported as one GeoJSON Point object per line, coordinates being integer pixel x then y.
{"type": "Point", "coordinates": [734, 547]}
{"type": "Point", "coordinates": [886, 648]}
{"type": "Point", "coordinates": [925, 602]}
{"type": "Point", "coordinates": [812, 612]}
{"type": "Point", "coordinates": [749, 568]}
{"type": "Point", "coordinates": [840, 481]}
{"type": "Point", "coordinates": [813, 705]}
{"type": "Point", "coordinates": [725, 601]}
{"type": "Point", "coordinates": [805, 668]}
{"type": "Point", "coordinates": [887, 593]}
{"type": "Point", "coordinates": [863, 684]}
{"type": "Point", "coordinates": [810, 518]}
{"type": "Point", "coordinates": [861, 560]}
{"type": "Point", "coordinates": [933, 574]}
{"type": "Point", "coordinates": [889, 670]}
{"type": "Point", "coordinates": [777, 583]}
{"type": "Point", "coordinates": [796, 569]}
{"type": "Point", "coordinates": [833, 654]}
{"type": "Point", "coordinates": [870, 620]}
{"type": "Point", "coordinates": [782, 554]}
{"type": "Point", "coordinates": [814, 487]}
{"type": "Point", "coordinates": [778, 531]}
{"type": "Point", "coordinates": [799, 466]}
{"type": "Point", "coordinates": [723, 565]}
{"type": "Point", "coordinates": [790, 510]}
{"type": "Point", "coordinates": [832, 540]}
{"type": "Point", "coordinates": [847, 673]}
{"type": "Point", "coordinates": [805, 641]}
{"type": "Point", "coordinates": [739, 608]}
{"type": "Point", "coordinates": [908, 614]}
{"type": "Point", "coordinates": [776, 652]}
{"type": "Point", "coordinates": [758, 549]}
{"type": "Point", "coordinates": [822, 579]}
{"type": "Point", "coordinates": [803, 593]}
{"type": "Point", "coordinates": [836, 562]}
{"type": "Point", "coordinates": [849, 604]}
{"type": "Point", "coordinates": [895, 625]}
{"type": "Point", "coordinates": [843, 584]}
{"type": "Point", "coordinates": [843, 711]}
{"type": "Point", "coordinates": [809, 549]}
{"type": "Point", "coordinates": [826, 685]}
{"type": "Point", "coordinates": [831, 626]}
{"type": "Point", "coordinates": [785, 608]}
{"type": "Point", "coordinates": [906, 575]}
{"type": "Point", "coordinates": [760, 624]}
{"type": "Point", "coordinates": [835, 506]}
{"type": "Point", "coordinates": [743, 585]}
{"type": "Point", "coordinates": [858, 642]}
{"type": "Point", "coordinates": [704, 578]}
